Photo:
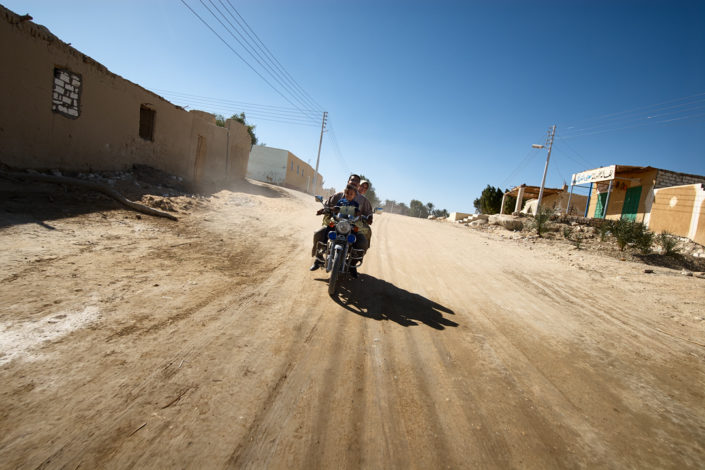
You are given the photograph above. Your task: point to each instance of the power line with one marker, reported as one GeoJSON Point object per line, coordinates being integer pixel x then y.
{"type": "Point", "coordinates": [265, 50]}
{"type": "Point", "coordinates": [253, 53]}
{"type": "Point", "coordinates": [263, 107]}
{"type": "Point", "coordinates": [633, 127]}
{"type": "Point", "coordinates": [584, 160]}
{"type": "Point", "coordinates": [520, 167]}
{"type": "Point", "coordinates": [646, 116]}
{"type": "Point", "coordinates": [236, 107]}
{"type": "Point", "coordinates": [249, 44]}
{"type": "Point", "coordinates": [227, 110]}
{"type": "Point", "coordinates": [567, 126]}
{"type": "Point", "coordinates": [245, 47]}
{"type": "Point", "coordinates": [238, 55]}
{"type": "Point", "coordinates": [336, 147]}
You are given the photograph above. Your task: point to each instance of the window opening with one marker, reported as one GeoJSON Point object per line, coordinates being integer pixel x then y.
{"type": "Point", "coordinates": [147, 117]}
{"type": "Point", "coordinates": [66, 94]}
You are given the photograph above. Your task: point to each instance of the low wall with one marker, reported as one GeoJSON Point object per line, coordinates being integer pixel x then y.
{"type": "Point", "coordinates": [456, 216]}
{"type": "Point", "coordinates": [680, 210]}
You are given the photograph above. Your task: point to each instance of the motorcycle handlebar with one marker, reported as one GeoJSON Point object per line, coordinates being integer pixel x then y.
{"type": "Point", "coordinates": [334, 211]}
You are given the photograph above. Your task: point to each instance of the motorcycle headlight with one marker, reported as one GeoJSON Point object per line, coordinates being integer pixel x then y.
{"type": "Point", "coordinates": [343, 227]}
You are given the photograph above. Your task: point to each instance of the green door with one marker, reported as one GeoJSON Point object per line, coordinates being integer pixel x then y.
{"type": "Point", "coordinates": [631, 203]}
{"type": "Point", "coordinates": [600, 206]}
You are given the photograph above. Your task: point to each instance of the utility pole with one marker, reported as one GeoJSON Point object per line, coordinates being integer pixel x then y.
{"type": "Point", "coordinates": [318, 158]}
{"type": "Point", "coordinates": [549, 142]}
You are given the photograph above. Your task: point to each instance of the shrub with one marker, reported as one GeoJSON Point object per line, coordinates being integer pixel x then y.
{"type": "Point", "coordinates": [567, 232]}
{"type": "Point", "coordinates": [604, 229]}
{"type": "Point", "coordinates": [626, 232]}
{"type": "Point", "coordinates": [643, 239]}
{"type": "Point", "coordinates": [542, 217]}
{"type": "Point", "coordinates": [623, 232]}
{"type": "Point", "coordinates": [578, 240]}
{"type": "Point", "coordinates": [668, 243]}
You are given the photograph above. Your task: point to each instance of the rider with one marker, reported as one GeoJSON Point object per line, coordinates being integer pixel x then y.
{"type": "Point", "coordinates": [342, 201]}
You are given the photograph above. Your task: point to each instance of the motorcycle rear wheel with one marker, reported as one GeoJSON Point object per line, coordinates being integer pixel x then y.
{"type": "Point", "coordinates": [334, 273]}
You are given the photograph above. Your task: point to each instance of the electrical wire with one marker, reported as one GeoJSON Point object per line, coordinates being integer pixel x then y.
{"type": "Point", "coordinates": [522, 164]}
{"type": "Point", "coordinates": [560, 149]}
{"type": "Point", "coordinates": [633, 127]}
{"type": "Point", "coordinates": [567, 126]}
{"type": "Point", "coordinates": [584, 160]}
{"type": "Point", "coordinates": [278, 64]}
{"type": "Point", "coordinates": [279, 92]}
{"type": "Point", "coordinates": [646, 116]}
{"type": "Point", "coordinates": [250, 110]}
{"type": "Point", "coordinates": [228, 110]}
{"type": "Point", "coordinates": [336, 147]}
{"type": "Point", "coordinates": [246, 48]}
{"type": "Point", "coordinates": [251, 48]}
{"type": "Point", "coordinates": [244, 104]}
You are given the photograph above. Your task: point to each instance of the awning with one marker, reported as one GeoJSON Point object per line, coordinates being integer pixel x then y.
{"type": "Point", "coordinates": [532, 192]}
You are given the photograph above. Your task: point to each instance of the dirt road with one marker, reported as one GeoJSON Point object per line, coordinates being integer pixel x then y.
{"type": "Point", "coordinates": [207, 343]}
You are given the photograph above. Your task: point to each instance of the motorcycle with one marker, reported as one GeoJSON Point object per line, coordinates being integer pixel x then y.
{"type": "Point", "coordinates": [338, 252]}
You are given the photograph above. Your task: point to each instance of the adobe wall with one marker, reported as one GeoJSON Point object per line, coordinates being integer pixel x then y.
{"type": "Point", "coordinates": [64, 110]}
{"type": "Point", "coordinates": [238, 155]}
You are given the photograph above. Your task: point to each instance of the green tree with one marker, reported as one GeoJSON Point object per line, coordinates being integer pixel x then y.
{"type": "Point", "coordinates": [250, 128]}
{"type": "Point", "coordinates": [403, 209]}
{"type": "Point", "coordinates": [510, 203]}
{"type": "Point", "coordinates": [441, 213]}
{"type": "Point", "coordinates": [418, 209]}
{"type": "Point", "coordinates": [489, 201]}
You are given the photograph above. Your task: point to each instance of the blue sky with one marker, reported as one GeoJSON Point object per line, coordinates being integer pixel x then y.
{"type": "Point", "coordinates": [431, 100]}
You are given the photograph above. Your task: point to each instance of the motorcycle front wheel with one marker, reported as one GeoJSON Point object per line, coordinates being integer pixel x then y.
{"type": "Point", "coordinates": [335, 272]}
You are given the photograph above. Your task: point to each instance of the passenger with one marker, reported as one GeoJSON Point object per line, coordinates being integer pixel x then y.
{"type": "Point", "coordinates": [365, 206]}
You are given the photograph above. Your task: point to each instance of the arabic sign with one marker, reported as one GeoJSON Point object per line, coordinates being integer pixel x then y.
{"type": "Point", "coordinates": [599, 174]}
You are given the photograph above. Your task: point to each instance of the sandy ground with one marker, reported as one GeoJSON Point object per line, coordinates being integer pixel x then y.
{"type": "Point", "coordinates": [131, 341]}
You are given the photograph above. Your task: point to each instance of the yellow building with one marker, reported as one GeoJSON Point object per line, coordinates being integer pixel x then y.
{"type": "Point", "coordinates": [663, 200]}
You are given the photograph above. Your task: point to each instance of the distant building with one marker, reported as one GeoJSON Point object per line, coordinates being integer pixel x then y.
{"type": "Point", "coordinates": [558, 199]}
{"type": "Point", "coordinates": [281, 167]}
